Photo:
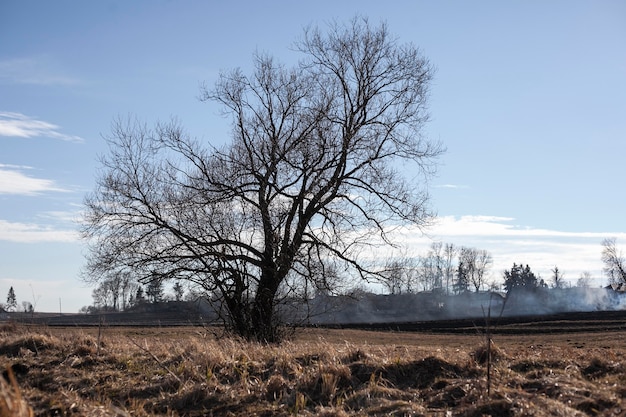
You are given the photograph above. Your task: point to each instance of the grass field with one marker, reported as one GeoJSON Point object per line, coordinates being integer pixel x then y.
{"type": "Point", "coordinates": [187, 371]}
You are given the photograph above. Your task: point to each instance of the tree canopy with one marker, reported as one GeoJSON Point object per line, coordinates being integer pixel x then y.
{"type": "Point", "coordinates": [310, 179]}
{"type": "Point", "coordinates": [521, 277]}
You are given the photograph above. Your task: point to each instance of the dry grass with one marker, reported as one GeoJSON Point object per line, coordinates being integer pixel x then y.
{"type": "Point", "coordinates": [143, 372]}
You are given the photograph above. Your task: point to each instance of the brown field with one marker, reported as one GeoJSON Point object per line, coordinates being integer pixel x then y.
{"type": "Point", "coordinates": [341, 372]}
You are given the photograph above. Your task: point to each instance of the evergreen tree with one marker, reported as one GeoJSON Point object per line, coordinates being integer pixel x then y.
{"type": "Point", "coordinates": [139, 296]}
{"type": "Point", "coordinates": [154, 291]}
{"type": "Point", "coordinates": [11, 300]}
{"type": "Point", "coordinates": [520, 277]}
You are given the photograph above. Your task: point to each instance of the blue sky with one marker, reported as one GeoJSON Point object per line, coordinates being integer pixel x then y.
{"type": "Point", "coordinates": [529, 98]}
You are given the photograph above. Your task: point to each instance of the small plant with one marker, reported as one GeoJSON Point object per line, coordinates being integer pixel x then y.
{"type": "Point", "coordinates": [489, 341]}
{"type": "Point", "coordinates": [329, 385]}
{"type": "Point", "coordinates": [300, 403]}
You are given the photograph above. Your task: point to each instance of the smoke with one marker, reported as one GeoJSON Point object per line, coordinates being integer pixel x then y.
{"type": "Point", "coordinates": [376, 308]}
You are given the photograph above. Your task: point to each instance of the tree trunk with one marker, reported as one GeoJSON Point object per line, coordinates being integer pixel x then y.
{"type": "Point", "coordinates": [264, 321]}
{"type": "Point", "coordinates": [264, 325]}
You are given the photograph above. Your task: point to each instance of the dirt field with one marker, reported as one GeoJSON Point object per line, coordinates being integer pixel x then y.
{"type": "Point", "coordinates": [327, 372]}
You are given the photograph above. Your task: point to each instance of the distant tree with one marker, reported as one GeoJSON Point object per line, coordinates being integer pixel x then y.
{"type": "Point", "coordinates": [584, 281]}
{"type": "Point", "coordinates": [437, 258]}
{"type": "Point", "coordinates": [476, 262]}
{"type": "Point", "coordinates": [115, 289]}
{"type": "Point", "coordinates": [27, 307]}
{"type": "Point", "coordinates": [154, 291]}
{"type": "Point", "coordinates": [101, 298]}
{"type": "Point", "coordinates": [179, 291]}
{"type": "Point", "coordinates": [312, 170]}
{"type": "Point", "coordinates": [140, 297]}
{"type": "Point", "coordinates": [483, 262]}
{"type": "Point", "coordinates": [558, 281]}
{"type": "Point", "coordinates": [449, 254]}
{"type": "Point", "coordinates": [399, 274]}
{"type": "Point", "coordinates": [128, 287]}
{"type": "Point", "coordinates": [432, 267]}
{"type": "Point", "coordinates": [614, 261]}
{"type": "Point", "coordinates": [11, 304]}
{"type": "Point", "coordinates": [462, 282]}
{"type": "Point", "coordinates": [521, 278]}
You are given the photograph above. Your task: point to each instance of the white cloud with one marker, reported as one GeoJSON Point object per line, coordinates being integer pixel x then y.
{"type": "Point", "coordinates": [452, 186]}
{"type": "Point", "coordinates": [494, 226]}
{"type": "Point", "coordinates": [13, 181]}
{"type": "Point", "coordinates": [542, 249]}
{"type": "Point", "coordinates": [19, 125]}
{"type": "Point", "coordinates": [34, 233]}
{"type": "Point", "coordinates": [35, 71]}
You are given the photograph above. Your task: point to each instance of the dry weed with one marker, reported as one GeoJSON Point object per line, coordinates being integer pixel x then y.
{"type": "Point", "coordinates": [12, 404]}
{"type": "Point", "coordinates": [170, 372]}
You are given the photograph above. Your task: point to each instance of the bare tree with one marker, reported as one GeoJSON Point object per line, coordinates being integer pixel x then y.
{"type": "Point", "coordinates": [558, 280]}
{"type": "Point", "coordinates": [614, 261]}
{"type": "Point", "coordinates": [311, 172]}
{"type": "Point", "coordinates": [475, 263]}
{"type": "Point", "coordinates": [584, 281]}
{"type": "Point", "coordinates": [115, 289]}
{"type": "Point", "coordinates": [436, 254]}
{"type": "Point", "coordinates": [449, 253]}
{"type": "Point", "coordinates": [103, 297]}
{"type": "Point", "coordinates": [400, 274]}
{"type": "Point", "coordinates": [484, 261]}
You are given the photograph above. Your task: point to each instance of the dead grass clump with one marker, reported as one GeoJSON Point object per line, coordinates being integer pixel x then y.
{"type": "Point", "coordinates": [447, 397]}
{"type": "Point", "coordinates": [480, 354]}
{"type": "Point", "coordinates": [8, 327]}
{"type": "Point", "coordinates": [330, 412]}
{"type": "Point", "coordinates": [356, 355]}
{"type": "Point", "coordinates": [422, 373]}
{"type": "Point", "coordinates": [500, 408]}
{"type": "Point", "coordinates": [33, 343]}
{"type": "Point", "coordinates": [537, 367]}
{"type": "Point", "coordinates": [598, 368]}
{"type": "Point", "coordinates": [594, 407]}
{"type": "Point", "coordinates": [276, 388]}
{"type": "Point", "coordinates": [84, 345]}
{"type": "Point", "coordinates": [11, 401]}
{"type": "Point", "coordinates": [168, 372]}
{"type": "Point", "coordinates": [326, 383]}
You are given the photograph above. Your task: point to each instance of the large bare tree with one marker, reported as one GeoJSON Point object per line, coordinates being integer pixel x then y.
{"type": "Point", "coordinates": [476, 262]}
{"type": "Point", "coordinates": [315, 172]}
{"type": "Point", "coordinates": [400, 274]}
{"type": "Point", "coordinates": [614, 261]}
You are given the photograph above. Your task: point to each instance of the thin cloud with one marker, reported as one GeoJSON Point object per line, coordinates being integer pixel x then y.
{"type": "Point", "coordinates": [19, 125]}
{"type": "Point", "coordinates": [452, 186]}
{"type": "Point", "coordinates": [62, 216]}
{"type": "Point", "coordinates": [495, 226]}
{"type": "Point", "coordinates": [508, 242]}
{"type": "Point", "coordinates": [15, 182]}
{"type": "Point", "coordinates": [34, 71]}
{"type": "Point", "coordinates": [34, 233]}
